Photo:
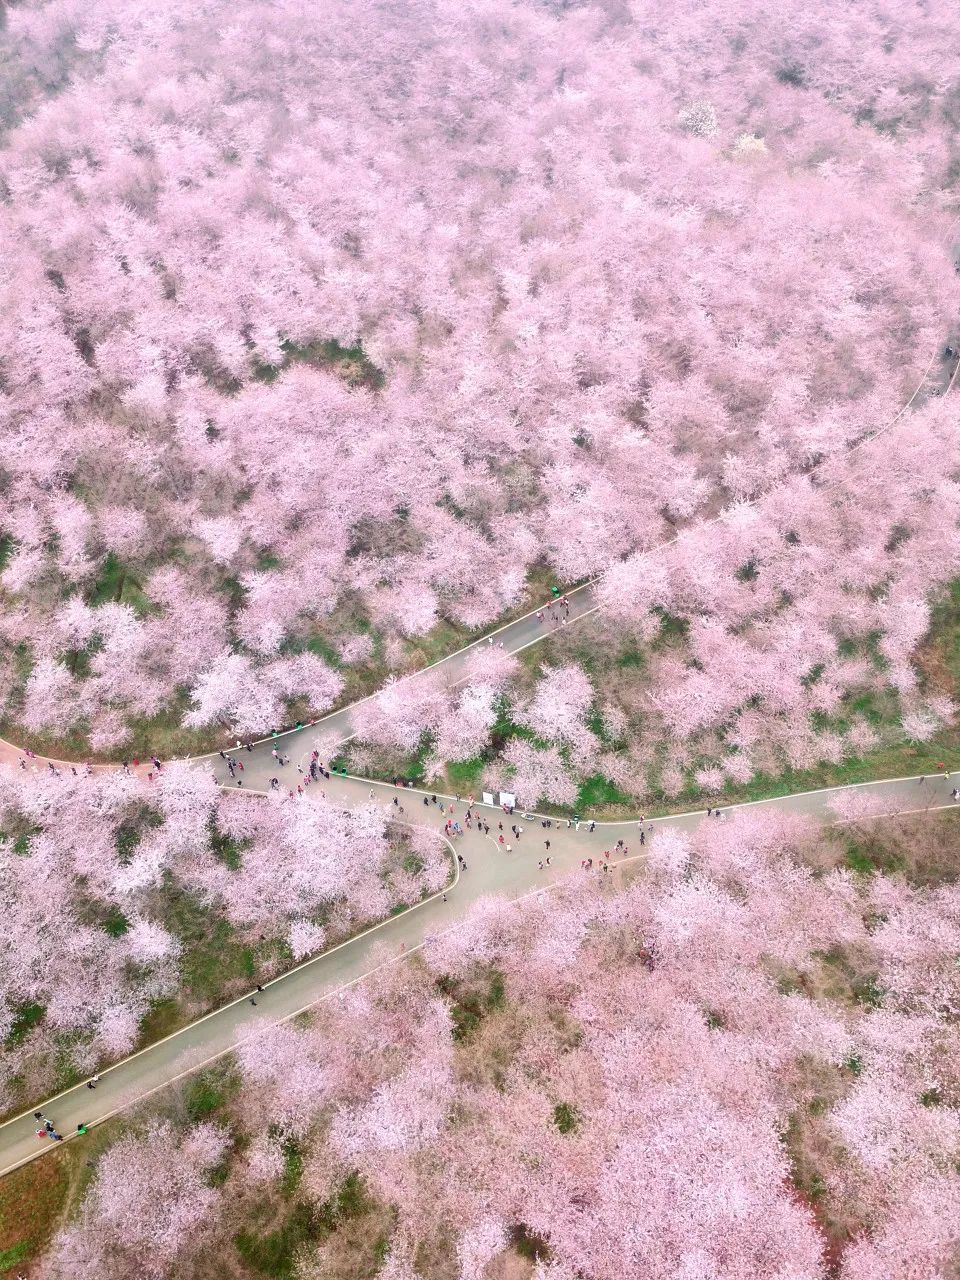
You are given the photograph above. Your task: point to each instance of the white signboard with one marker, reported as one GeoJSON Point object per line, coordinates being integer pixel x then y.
{"type": "Point", "coordinates": [508, 798]}
{"type": "Point", "coordinates": [487, 797]}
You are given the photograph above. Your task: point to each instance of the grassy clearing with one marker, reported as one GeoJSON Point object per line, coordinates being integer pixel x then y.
{"type": "Point", "coordinates": [349, 363]}
{"type": "Point", "coordinates": [117, 584]}
{"type": "Point", "coordinates": [217, 963]}
{"type": "Point", "coordinates": [163, 735]}
{"type": "Point", "coordinates": [37, 1199]}
{"type": "Point", "coordinates": [277, 1235]}
{"type": "Point", "coordinates": [924, 848]}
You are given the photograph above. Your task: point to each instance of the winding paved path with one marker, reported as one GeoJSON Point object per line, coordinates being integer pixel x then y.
{"type": "Point", "coordinates": [489, 870]}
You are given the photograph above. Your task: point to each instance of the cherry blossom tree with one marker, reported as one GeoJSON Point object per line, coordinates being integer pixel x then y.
{"type": "Point", "coordinates": [147, 1208]}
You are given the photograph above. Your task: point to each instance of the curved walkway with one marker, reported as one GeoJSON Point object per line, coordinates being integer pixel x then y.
{"type": "Point", "coordinates": [489, 870]}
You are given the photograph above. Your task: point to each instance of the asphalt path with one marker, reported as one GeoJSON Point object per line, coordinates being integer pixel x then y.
{"type": "Point", "coordinates": [338, 726]}
{"type": "Point", "coordinates": [490, 869]}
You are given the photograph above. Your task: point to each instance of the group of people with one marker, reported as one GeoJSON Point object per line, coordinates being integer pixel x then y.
{"type": "Point", "coordinates": [313, 772]}
{"type": "Point", "coordinates": [153, 772]}
{"type": "Point", "coordinates": [557, 611]}
{"type": "Point", "coordinates": [49, 1130]}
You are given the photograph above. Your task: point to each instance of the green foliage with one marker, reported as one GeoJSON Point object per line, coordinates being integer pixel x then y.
{"type": "Point", "coordinates": [632, 657]}
{"type": "Point", "coordinates": [350, 363]}
{"type": "Point", "coordinates": [857, 860]}
{"type": "Point", "coordinates": [597, 791]}
{"type": "Point", "coordinates": [931, 1098]}
{"type": "Point", "coordinates": [16, 1253]}
{"type": "Point", "coordinates": [21, 846]}
{"type": "Point", "coordinates": [323, 649]}
{"type": "Point", "coordinates": [275, 1253]}
{"type": "Point", "coordinates": [671, 628]}
{"type": "Point", "coordinates": [464, 775]}
{"type": "Point", "coordinates": [115, 923]}
{"type": "Point", "coordinates": [226, 848]}
{"type": "Point", "coordinates": [471, 1005]}
{"type": "Point", "coordinates": [870, 854]}
{"type": "Point", "coordinates": [117, 585]}
{"type": "Point", "coordinates": [497, 995]}
{"type": "Point", "coordinates": [566, 1117]}
{"type": "Point", "coordinates": [213, 955]}
{"type": "Point", "coordinates": [125, 840]}
{"type": "Point", "coordinates": [203, 1096]}
{"type": "Point", "coordinates": [528, 1244]}
{"type": "Point", "coordinates": [867, 991]}
{"type": "Point", "coordinates": [349, 1201]}
{"type": "Point", "coordinates": [292, 1167]}
{"type": "Point", "coordinates": [854, 1064]}
{"type": "Point", "coordinates": [25, 1018]}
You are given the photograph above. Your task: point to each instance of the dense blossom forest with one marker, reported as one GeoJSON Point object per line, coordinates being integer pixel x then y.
{"type": "Point", "coordinates": [330, 337]}
{"type": "Point", "coordinates": [319, 330]}
{"type": "Point", "coordinates": [742, 1064]}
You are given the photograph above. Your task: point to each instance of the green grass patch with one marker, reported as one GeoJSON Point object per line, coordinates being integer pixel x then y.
{"type": "Point", "coordinates": [292, 1167]}
{"type": "Point", "coordinates": [632, 658]}
{"type": "Point", "coordinates": [214, 958]}
{"type": "Point", "coordinates": [528, 1244]}
{"type": "Point", "coordinates": [35, 1199]}
{"type": "Point", "coordinates": [471, 1004]}
{"type": "Point", "coordinates": [117, 585]}
{"type": "Point", "coordinates": [16, 1253]}
{"type": "Point", "coordinates": [597, 792]}
{"type": "Point", "coordinates": [225, 848]}
{"type": "Point", "coordinates": [349, 363]}
{"type": "Point", "coordinates": [463, 776]}
{"type": "Point", "coordinates": [205, 1094]}
{"type": "Point", "coordinates": [566, 1117]}
{"type": "Point", "coordinates": [25, 1018]}
{"type": "Point", "coordinates": [115, 923]}
{"type": "Point", "coordinates": [672, 628]}
{"type": "Point", "coordinates": [126, 840]}
{"type": "Point", "coordinates": [858, 860]}
{"type": "Point", "coordinates": [163, 1018]}
{"type": "Point", "coordinates": [275, 1253]}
